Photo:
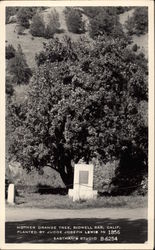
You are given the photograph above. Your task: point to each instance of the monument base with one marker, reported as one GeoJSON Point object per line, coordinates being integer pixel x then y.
{"type": "Point", "coordinates": [82, 194]}
{"type": "Point", "coordinates": [11, 194]}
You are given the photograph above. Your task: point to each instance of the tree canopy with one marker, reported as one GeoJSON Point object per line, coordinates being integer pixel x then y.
{"type": "Point", "coordinates": [82, 103]}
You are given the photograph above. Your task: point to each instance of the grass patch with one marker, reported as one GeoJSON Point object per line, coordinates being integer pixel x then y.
{"type": "Point", "coordinates": [63, 201]}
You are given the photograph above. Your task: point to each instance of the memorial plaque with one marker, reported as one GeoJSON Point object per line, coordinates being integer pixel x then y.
{"type": "Point", "coordinates": [83, 177]}
{"type": "Point", "coordinates": [83, 183]}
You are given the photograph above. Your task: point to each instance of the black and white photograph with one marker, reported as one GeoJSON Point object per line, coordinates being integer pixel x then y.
{"type": "Point", "coordinates": [77, 165]}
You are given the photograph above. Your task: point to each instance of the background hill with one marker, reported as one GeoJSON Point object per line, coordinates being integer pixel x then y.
{"type": "Point", "coordinates": [32, 45]}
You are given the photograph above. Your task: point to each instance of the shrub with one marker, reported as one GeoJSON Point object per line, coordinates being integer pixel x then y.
{"type": "Point", "coordinates": [121, 9]}
{"type": "Point", "coordinates": [104, 23]}
{"type": "Point", "coordinates": [9, 89]}
{"type": "Point", "coordinates": [8, 86]}
{"type": "Point", "coordinates": [53, 24]}
{"type": "Point", "coordinates": [103, 175]}
{"type": "Point", "coordinates": [92, 11]}
{"type": "Point", "coordinates": [135, 47]}
{"type": "Point", "coordinates": [19, 68]}
{"type": "Point", "coordinates": [131, 171]}
{"type": "Point", "coordinates": [10, 11]}
{"type": "Point", "coordinates": [74, 20]}
{"type": "Point", "coordinates": [138, 22]}
{"type": "Point", "coordinates": [23, 17]}
{"type": "Point", "coordinates": [9, 52]}
{"type": "Point", "coordinates": [37, 27]}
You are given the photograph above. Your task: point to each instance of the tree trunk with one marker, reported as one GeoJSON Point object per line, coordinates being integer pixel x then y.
{"type": "Point", "coordinates": [67, 178]}
{"type": "Point", "coordinates": [66, 171]}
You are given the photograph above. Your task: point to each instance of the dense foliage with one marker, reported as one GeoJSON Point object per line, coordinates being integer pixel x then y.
{"type": "Point", "coordinates": [53, 25]}
{"type": "Point", "coordinates": [74, 20]}
{"type": "Point", "coordinates": [104, 21]}
{"type": "Point", "coordinates": [94, 11]}
{"type": "Point", "coordinates": [82, 103]}
{"type": "Point", "coordinates": [19, 68]}
{"type": "Point", "coordinates": [9, 51]}
{"type": "Point", "coordinates": [23, 17]}
{"type": "Point", "coordinates": [138, 22]}
{"type": "Point", "coordinates": [39, 28]}
{"type": "Point", "coordinates": [9, 86]}
{"type": "Point", "coordinates": [10, 11]}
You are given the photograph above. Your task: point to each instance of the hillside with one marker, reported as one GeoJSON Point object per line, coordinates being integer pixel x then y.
{"type": "Point", "coordinates": [32, 45]}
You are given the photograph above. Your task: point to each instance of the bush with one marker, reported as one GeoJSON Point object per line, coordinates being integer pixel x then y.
{"type": "Point", "coordinates": [92, 11]}
{"type": "Point", "coordinates": [121, 9]}
{"type": "Point", "coordinates": [135, 47]}
{"type": "Point", "coordinates": [143, 187]}
{"type": "Point", "coordinates": [37, 27]}
{"type": "Point", "coordinates": [10, 11]}
{"type": "Point", "coordinates": [23, 17]}
{"type": "Point", "coordinates": [106, 23]}
{"type": "Point", "coordinates": [53, 25]}
{"type": "Point", "coordinates": [103, 175]}
{"type": "Point", "coordinates": [138, 22]}
{"type": "Point", "coordinates": [19, 68]}
{"type": "Point", "coordinates": [9, 52]}
{"type": "Point", "coordinates": [40, 29]}
{"type": "Point", "coordinates": [74, 20]}
{"type": "Point", "coordinates": [8, 86]}
{"type": "Point", "coordinates": [131, 171]}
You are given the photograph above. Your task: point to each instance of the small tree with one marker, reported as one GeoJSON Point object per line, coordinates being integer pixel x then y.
{"type": "Point", "coordinates": [37, 27]}
{"type": "Point", "coordinates": [74, 20]}
{"type": "Point", "coordinates": [23, 17]}
{"type": "Point", "coordinates": [53, 24]}
{"type": "Point", "coordinates": [10, 11]}
{"type": "Point", "coordinates": [9, 86]}
{"type": "Point", "coordinates": [106, 23]}
{"type": "Point", "coordinates": [9, 51]}
{"type": "Point", "coordinates": [138, 22]}
{"type": "Point", "coordinates": [19, 68]}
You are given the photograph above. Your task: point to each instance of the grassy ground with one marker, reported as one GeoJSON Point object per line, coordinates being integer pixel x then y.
{"type": "Point", "coordinates": [32, 45]}
{"type": "Point", "coordinates": [63, 201]}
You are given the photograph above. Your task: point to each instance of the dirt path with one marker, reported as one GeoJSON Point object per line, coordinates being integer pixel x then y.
{"type": "Point", "coordinates": [23, 214]}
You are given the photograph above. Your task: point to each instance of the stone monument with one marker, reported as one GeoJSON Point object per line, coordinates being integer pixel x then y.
{"type": "Point", "coordinates": [11, 194]}
{"type": "Point", "coordinates": [83, 183]}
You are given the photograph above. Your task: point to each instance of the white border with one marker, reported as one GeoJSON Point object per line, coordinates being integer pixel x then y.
{"type": "Point", "coordinates": [150, 244]}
